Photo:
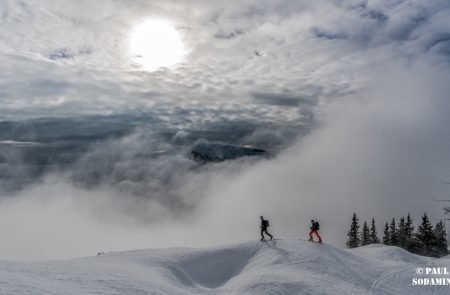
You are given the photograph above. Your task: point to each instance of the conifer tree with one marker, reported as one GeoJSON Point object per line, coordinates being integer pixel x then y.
{"type": "Point", "coordinates": [386, 236]}
{"type": "Point", "coordinates": [393, 233]}
{"type": "Point", "coordinates": [440, 239]}
{"type": "Point", "coordinates": [425, 235]}
{"type": "Point", "coordinates": [353, 234]}
{"type": "Point", "coordinates": [373, 237]}
{"type": "Point", "coordinates": [365, 235]}
{"type": "Point", "coordinates": [410, 242]}
{"type": "Point", "coordinates": [409, 227]}
{"type": "Point", "coordinates": [401, 233]}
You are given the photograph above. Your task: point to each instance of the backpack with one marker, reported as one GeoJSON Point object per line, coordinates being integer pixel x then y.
{"type": "Point", "coordinates": [316, 225]}
{"type": "Point", "coordinates": [266, 223]}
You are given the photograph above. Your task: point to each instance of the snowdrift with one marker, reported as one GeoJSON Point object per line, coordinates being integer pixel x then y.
{"type": "Point", "coordinates": [274, 267]}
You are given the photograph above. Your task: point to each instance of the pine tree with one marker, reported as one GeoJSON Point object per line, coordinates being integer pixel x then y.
{"type": "Point", "coordinates": [401, 233]}
{"type": "Point", "coordinates": [353, 234]}
{"type": "Point", "coordinates": [386, 236]}
{"type": "Point", "coordinates": [409, 227]}
{"type": "Point", "coordinates": [373, 236]}
{"type": "Point", "coordinates": [440, 239]}
{"type": "Point", "coordinates": [393, 233]}
{"type": "Point", "coordinates": [410, 240]}
{"type": "Point", "coordinates": [425, 235]}
{"type": "Point", "coordinates": [365, 235]}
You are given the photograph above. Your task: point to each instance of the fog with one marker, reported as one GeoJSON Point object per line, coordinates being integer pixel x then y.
{"type": "Point", "coordinates": [381, 155]}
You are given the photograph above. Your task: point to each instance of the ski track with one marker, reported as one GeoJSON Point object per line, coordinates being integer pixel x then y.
{"type": "Point", "coordinates": [273, 267]}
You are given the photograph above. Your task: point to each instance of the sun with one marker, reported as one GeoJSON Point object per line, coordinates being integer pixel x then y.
{"type": "Point", "coordinates": [155, 43]}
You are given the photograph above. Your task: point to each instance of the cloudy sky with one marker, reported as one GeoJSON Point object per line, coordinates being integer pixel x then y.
{"type": "Point", "coordinates": [350, 97]}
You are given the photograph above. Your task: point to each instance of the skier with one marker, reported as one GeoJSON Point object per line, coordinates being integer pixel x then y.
{"type": "Point", "coordinates": [314, 230]}
{"type": "Point", "coordinates": [264, 226]}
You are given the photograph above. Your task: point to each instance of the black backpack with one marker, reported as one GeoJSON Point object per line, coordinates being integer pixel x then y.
{"type": "Point", "coordinates": [316, 225]}
{"type": "Point", "coordinates": [266, 223]}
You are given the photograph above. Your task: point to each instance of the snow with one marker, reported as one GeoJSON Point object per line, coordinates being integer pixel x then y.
{"type": "Point", "coordinates": [273, 267]}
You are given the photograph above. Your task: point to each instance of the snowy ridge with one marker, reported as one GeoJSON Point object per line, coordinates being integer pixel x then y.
{"type": "Point", "coordinates": [275, 267]}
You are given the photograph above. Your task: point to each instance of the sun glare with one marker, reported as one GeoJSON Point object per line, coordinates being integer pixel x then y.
{"type": "Point", "coordinates": [156, 43]}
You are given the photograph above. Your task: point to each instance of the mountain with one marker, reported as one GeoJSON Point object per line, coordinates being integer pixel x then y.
{"type": "Point", "coordinates": [217, 152]}
{"type": "Point", "coordinates": [273, 267]}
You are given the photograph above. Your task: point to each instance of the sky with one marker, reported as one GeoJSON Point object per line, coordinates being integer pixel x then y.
{"type": "Point", "coordinates": [349, 97]}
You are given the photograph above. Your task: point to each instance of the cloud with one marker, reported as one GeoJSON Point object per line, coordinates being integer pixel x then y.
{"type": "Point", "coordinates": [300, 46]}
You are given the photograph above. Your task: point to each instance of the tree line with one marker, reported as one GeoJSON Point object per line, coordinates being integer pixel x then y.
{"type": "Point", "coordinates": [427, 240]}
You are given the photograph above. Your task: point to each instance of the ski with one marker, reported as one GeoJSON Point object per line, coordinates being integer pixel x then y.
{"type": "Point", "coordinates": [314, 241]}
{"type": "Point", "coordinates": [270, 240]}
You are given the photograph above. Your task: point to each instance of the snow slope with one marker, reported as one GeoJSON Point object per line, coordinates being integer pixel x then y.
{"type": "Point", "coordinates": [276, 267]}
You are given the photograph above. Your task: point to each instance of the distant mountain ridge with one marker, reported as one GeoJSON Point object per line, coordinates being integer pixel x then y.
{"type": "Point", "coordinates": [217, 152]}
